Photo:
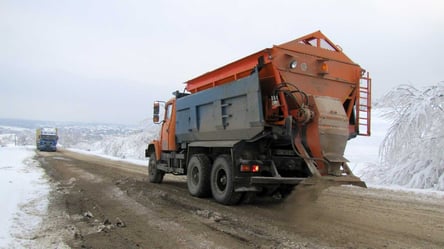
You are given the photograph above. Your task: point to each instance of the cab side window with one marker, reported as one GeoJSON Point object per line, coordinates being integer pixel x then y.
{"type": "Point", "coordinates": [169, 111]}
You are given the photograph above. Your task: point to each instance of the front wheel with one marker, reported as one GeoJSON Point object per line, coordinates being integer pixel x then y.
{"type": "Point", "coordinates": [154, 174]}
{"type": "Point", "coordinates": [222, 181]}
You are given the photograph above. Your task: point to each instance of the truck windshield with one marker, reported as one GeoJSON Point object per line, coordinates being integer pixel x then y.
{"type": "Point", "coordinates": [48, 137]}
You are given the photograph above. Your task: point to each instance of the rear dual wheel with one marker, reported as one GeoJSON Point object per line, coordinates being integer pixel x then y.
{"type": "Point", "coordinates": [222, 181]}
{"type": "Point", "coordinates": [198, 176]}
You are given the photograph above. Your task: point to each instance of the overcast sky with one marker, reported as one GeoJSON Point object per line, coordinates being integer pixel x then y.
{"type": "Point", "coordinates": [107, 61]}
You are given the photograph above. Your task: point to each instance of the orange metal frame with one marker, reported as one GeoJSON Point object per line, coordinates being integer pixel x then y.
{"type": "Point", "coordinates": [228, 73]}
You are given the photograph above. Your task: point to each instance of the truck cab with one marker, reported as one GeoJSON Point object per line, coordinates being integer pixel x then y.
{"type": "Point", "coordinates": [46, 139]}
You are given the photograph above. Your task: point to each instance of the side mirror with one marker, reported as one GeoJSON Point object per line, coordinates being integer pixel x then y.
{"type": "Point", "coordinates": [156, 110]}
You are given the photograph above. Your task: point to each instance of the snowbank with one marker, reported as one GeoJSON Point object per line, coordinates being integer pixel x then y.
{"type": "Point", "coordinates": [141, 162]}
{"type": "Point", "coordinates": [24, 196]}
{"type": "Point", "coordinates": [130, 146]}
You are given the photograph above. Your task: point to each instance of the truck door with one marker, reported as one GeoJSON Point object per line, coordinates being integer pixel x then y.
{"type": "Point", "coordinates": [168, 137]}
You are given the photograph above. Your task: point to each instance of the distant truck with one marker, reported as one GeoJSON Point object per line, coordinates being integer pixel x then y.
{"type": "Point", "coordinates": [46, 139]}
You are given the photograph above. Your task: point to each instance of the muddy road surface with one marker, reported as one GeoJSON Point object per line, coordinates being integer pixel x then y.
{"type": "Point", "coordinates": [98, 203]}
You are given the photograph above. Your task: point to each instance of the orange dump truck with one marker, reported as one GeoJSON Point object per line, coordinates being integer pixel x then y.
{"type": "Point", "coordinates": [265, 123]}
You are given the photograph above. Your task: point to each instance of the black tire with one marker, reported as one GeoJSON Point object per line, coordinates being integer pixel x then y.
{"type": "Point", "coordinates": [198, 176]}
{"type": "Point", "coordinates": [222, 184]}
{"type": "Point", "coordinates": [154, 174]}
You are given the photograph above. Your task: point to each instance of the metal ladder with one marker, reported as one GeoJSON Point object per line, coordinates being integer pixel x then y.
{"type": "Point", "coordinates": [364, 105]}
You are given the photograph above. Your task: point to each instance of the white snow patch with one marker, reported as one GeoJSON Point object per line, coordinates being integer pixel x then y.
{"type": "Point", "coordinates": [131, 146]}
{"type": "Point", "coordinates": [24, 196]}
{"type": "Point", "coordinates": [141, 162]}
{"type": "Point", "coordinates": [363, 152]}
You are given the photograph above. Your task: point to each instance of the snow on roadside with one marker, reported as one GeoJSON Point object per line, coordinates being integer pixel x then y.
{"type": "Point", "coordinates": [363, 152]}
{"type": "Point", "coordinates": [141, 162]}
{"type": "Point", "coordinates": [121, 146]}
{"type": "Point", "coordinates": [24, 194]}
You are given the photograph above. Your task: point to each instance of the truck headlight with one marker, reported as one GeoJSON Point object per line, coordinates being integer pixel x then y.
{"type": "Point", "coordinates": [293, 64]}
